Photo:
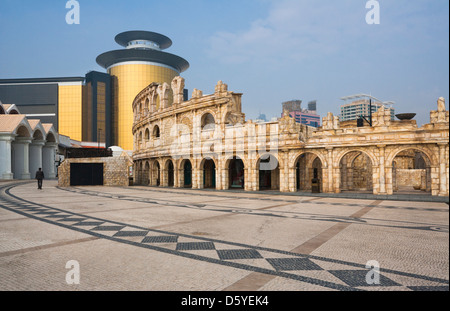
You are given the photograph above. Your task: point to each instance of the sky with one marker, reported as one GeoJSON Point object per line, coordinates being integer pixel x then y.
{"type": "Point", "coordinates": [270, 50]}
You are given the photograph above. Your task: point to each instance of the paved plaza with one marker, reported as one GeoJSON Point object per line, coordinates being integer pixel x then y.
{"type": "Point", "coordinates": [166, 239]}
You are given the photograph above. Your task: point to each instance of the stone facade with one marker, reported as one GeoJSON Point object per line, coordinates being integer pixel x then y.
{"type": "Point", "coordinates": [206, 142]}
{"type": "Point", "coordinates": [115, 170]}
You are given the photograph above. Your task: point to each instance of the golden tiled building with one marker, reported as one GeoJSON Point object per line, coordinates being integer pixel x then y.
{"type": "Point", "coordinates": [142, 62]}
{"type": "Point", "coordinates": [206, 142]}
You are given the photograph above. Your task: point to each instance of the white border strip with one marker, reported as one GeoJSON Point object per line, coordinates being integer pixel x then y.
{"type": "Point", "coordinates": [41, 115]}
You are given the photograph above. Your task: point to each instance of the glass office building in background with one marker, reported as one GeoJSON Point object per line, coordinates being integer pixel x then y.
{"type": "Point", "coordinates": [304, 116]}
{"type": "Point", "coordinates": [360, 107]}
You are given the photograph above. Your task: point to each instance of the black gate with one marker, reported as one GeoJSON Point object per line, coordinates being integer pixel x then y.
{"type": "Point", "coordinates": [86, 174]}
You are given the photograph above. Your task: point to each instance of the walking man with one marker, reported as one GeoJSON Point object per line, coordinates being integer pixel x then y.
{"type": "Point", "coordinates": [39, 177]}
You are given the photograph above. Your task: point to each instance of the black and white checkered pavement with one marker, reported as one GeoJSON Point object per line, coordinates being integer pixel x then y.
{"type": "Point", "coordinates": [321, 271]}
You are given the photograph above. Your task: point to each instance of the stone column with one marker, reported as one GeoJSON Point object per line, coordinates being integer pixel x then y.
{"type": "Point", "coordinates": [35, 156]}
{"type": "Point", "coordinates": [381, 170]}
{"type": "Point", "coordinates": [331, 170]}
{"type": "Point", "coordinates": [20, 147]}
{"type": "Point", "coordinates": [48, 159]}
{"type": "Point", "coordinates": [389, 180]}
{"type": "Point", "coordinates": [435, 181]}
{"type": "Point", "coordinates": [443, 189]}
{"type": "Point", "coordinates": [195, 173]}
{"type": "Point", "coordinates": [284, 171]}
{"type": "Point", "coordinates": [218, 175]}
{"type": "Point", "coordinates": [5, 157]}
{"type": "Point", "coordinates": [247, 177]}
{"type": "Point", "coordinates": [176, 172]}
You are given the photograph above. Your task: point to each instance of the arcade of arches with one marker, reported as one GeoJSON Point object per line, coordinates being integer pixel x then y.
{"type": "Point", "coordinates": [194, 149]}
{"type": "Point", "coordinates": [25, 145]}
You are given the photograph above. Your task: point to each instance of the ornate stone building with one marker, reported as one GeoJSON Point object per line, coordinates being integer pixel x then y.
{"type": "Point", "coordinates": [206, 142]}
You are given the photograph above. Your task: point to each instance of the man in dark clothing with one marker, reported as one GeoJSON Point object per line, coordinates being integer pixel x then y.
{"type": "Point", "coordinates": [39, 177]}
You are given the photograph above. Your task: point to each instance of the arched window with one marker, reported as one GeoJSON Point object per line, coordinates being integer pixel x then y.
{"type": "Point", "coordinates": [156, 132]}
{"type": "Point", "coordinates": [208, 122]}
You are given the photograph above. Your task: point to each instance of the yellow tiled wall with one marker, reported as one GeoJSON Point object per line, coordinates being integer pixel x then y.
{"type": "Point", "coordinates": [129, 80]}
{"type": "Point", "coordinates": [69, 110]}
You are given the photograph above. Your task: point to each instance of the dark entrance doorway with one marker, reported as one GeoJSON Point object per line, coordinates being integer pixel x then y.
{"type": "Point", "coordinates": [170, 173]}
{"type": "Point", "coordinates": [187, 174]}
{"type": "Point", "coordinates": [209, 174]}
{"type": "Point", "coordinates": [86, 174]}
{"type": "Point", "coordinates": [236, 173]}
{"type": "Point", "coordinates": [269, 173]}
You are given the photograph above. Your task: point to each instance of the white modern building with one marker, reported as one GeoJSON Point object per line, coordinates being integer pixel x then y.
{"type": "Point", "coordinates": [361, 105]}
{"type": "Point", "coordinates": [25, 145]}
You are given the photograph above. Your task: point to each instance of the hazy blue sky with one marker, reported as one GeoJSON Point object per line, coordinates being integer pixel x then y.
{"type": "Point", "coordinates": [270, 50]}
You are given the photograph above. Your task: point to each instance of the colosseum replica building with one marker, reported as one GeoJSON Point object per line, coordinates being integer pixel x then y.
{"type": "Point", "coordinates": [206, 142]}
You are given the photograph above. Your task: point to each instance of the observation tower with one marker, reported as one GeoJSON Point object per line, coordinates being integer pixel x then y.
{"type": "Point", "coordinates": [141, 63]}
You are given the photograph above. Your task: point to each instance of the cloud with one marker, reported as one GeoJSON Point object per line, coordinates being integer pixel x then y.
{"type": "Point", "coordinates": [295, 29]}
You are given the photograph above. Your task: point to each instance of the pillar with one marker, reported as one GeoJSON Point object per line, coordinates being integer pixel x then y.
{"type": "Point", "coordinates": [218, 176]}
{"type": "Point", "coordinates": [195, 174]}
{"type": "Point", "coordinates": [331, 174]}
{"type": "Point", "coordinates": [5, 157]}
{"type": "Point", "coordinates": [381, 171]}
{"type": "Point", "coordinates": [443, 188]}
{"type": "Point", "coordinates": [35, 156]}
{"type": "Point", "coordinates": [20, 151]}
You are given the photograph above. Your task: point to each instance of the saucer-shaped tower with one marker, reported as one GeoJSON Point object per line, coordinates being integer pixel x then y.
{"type": "Point", "coordinates": [141, 63]}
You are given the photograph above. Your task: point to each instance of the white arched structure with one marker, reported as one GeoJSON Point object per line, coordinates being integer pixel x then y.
{"type": "Point", "coordinates": [25, 146]}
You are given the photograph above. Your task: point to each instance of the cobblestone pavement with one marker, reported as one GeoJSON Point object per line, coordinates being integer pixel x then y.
{"type": "Point", "coordinates": [145, 238]}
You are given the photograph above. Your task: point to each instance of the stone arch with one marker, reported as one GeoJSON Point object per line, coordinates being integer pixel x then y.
{"type": "Point", "coordinates": [235, 172]}
{"type": "Point", "coordinates": [208, 120]}
{"type": "Point", "coordinates": [156, 132]}
{"type": "Point", "coordinates": [308, 165]}
{"type": "Point", "coordinates": [50, 138]}
{"type": "Point", "coordinates": [356, 171]}
{"type": "Point", "coordinates": [38, 135]}
{"type": "Point", "coordinates": [155, 173]}
{"type": "Point", "coordinates": [208, 172]}
{"type": "Point", "coordinates": [267, 169]}
{"type": "Point", "coordinates": [296, 156]}
{"type": "Point", "coordinates": [185, 175]}
{"type": "Point", "coordinates": [412, 168]}
{"type": "Point", "coordinates": [431, 156]}
{"type": "Point", "coordinates": [147, 106]}
{"type": "Point", "coordinates": [338, 158]}
{"type": "Point", "coordinates": [169, 173]}
{"type": "Point", "coordinates": [23, 131]}
{"type": "Point", "coordinates": [147, 135]}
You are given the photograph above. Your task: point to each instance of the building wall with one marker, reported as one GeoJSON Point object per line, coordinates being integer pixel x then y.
{"type": "Point", "coordinates": [129, 80]}
{"type": "Point", "coordinates": [353, 110]}
{"type": "Point", "coordinates": [97, 108]}
{"type": "Point", "coordinates": [70, 102]}
{"type": "Point", "coordinates": [36, 99]}
{"type": "Point", "coordinates": [346, 158]}
{"type": "Point", "coordinates": [115, 170]}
